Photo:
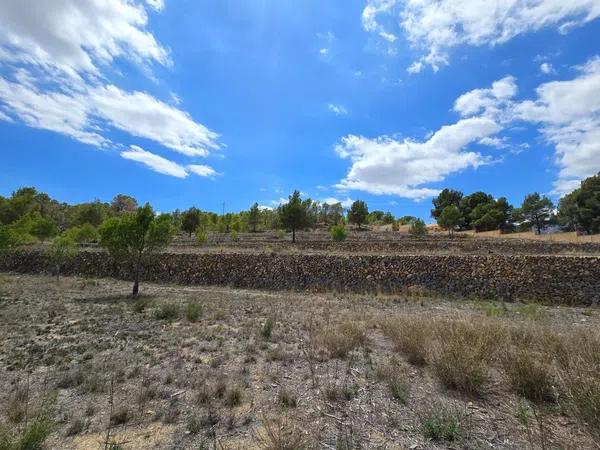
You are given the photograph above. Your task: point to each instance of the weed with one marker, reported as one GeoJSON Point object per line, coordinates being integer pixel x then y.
{"type": "Point", "coordinates": [441, 425]}
{"type": "Point", "coordinates": [529, 376]}
{"type": "Point", "coordinates": [280, 434]}
{"type": "Point", "coordinates": [342, 339]}
{"type": "Point", "coordinates": [193, 311]}
{"type": "Point", "coordinates": [167, 311]}
{"type": "Point", "coordinates": [287, 398]}
{"type": "Point", "coordinates": [233, 396]}
{"type": "Point", "coordinates": [266, 331]}
{"type": "Point", "coordinates": [120, 416]}
{"type": "Point", "coordinates": [410, 338]}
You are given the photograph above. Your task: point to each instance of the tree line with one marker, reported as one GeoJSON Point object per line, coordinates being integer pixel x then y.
{"type": "Point", "coordinates": [577, 211]}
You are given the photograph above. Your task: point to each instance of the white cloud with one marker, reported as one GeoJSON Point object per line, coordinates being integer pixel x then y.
{"type": "Point", "coordinates": [495, 142]}
{"type": "Point", "coordinates": [338, 110]}
{"type": "Point", "coordinates": [142, 115]}
{"type": "Point", "coordinates": [345, 202]}
{"type": "Point", "coordinates": [569, 115]}
{"type": "Point", "coordinates": [5, 117]}
{"type": "Point", "coordinates": [155, 162]}
{"type": "Point", "coordinates": [77, 114]}
{"type": "Point", "coordinates": [490, 101]}
{"type": "Point", "coordinates": [437, 26]}
{"type": "Point", "coordinates": [324, 51]}
{"type": "Point", "coordinates": [202, 170]}
{"type": "Point", "coordinates": [546, 68]}
{"type": "Point", "coordinates": [387, 166]}
{"type": "Point", "coordinates": [157, 5]}
{"type": "Point", "coordinates": [566, 112]}
{"type": "Point", "coordinates": [77, 36]}
{"type": "Point", "coordinates": [54, 111]}
{"type": "Point", "coordinates": [58, 58]}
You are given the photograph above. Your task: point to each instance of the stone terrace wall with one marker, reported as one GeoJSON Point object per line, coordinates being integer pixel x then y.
{"type": "Point", "coordinates": [548, 279]}
{"type": "Point", "coordinates": [461, 246]}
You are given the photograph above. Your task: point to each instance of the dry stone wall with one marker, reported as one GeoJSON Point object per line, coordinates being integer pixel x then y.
{"type": "Point", "coordinates": [548, 279]}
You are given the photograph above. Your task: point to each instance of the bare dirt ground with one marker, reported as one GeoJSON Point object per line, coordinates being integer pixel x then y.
{"type": "Point", "coordinates": [200, 368]}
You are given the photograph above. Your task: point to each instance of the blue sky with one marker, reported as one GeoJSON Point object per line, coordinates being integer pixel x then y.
{"type": "Point", "coordinates": [186, 102]}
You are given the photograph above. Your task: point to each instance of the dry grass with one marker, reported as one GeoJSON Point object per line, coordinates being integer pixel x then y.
{"type": "Point", "coordinates": [332, 371]}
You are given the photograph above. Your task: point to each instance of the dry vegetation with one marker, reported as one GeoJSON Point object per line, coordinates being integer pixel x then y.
{"type": "Point", "coordinates": [83, 366]}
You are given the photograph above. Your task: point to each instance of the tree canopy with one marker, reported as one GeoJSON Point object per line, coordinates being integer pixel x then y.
{"type": "Point", "coordinates": [358, 213]}
{"type": "Point", "coordinates": [131, 237]}
{"type": "Point", "coordinates": [294, 214]}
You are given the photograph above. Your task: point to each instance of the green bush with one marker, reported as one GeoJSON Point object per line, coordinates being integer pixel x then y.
{"type": "Point", "coordinates": [417, 228]}
{"type": "Point", "coordinates": [193, 310]}
{"type": "Point", "coordinates": [167, 311]}
{"type": "Point", "coordinates": [84, 234]}
{"type": "Point", "coordinates": [234, 236]}
{"type": "Point", "coordinates": [441, 425]}
{"type": "Point", "coordinates": [338, 233]}
{"type": "Point", "coordinates": [201, 236]}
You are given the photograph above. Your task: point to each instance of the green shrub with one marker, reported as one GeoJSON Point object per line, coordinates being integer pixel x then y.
{"type": "Point", "coordinates": [84, 234]}
{"type": "Point", "coordinates": [193, 310]}
{"type": "Point", "coordinates": [280, 234]}
{"type": "Point", "coordinates": [167, 311]}
{"type": "Point", "coordinates": [417, 228]}
{"type": "Point", "coordinates": [201, 236]}
{"type": "Point", "coordinates": [266, 330]}
{"type": "Point", "coordinates": [441, 425]}
{"type": "Point", "coordinates": [338, 233]}
{"type": "Point", "coordinates": [234, 236]}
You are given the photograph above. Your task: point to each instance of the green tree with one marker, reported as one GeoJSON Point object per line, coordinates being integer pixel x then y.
{"type": "Point", "coordinates": [43, 228]}
{"type": "Point", "coordinates": [91, 213]}
{"type": "Point", "coordinates": [494, 215]}
{"type": "Point", "coordinates": [587, 200]}
{"type": "Point", "coordinates": [190, 220]}
{"type": "Point", "coordinates": [84, 234]}
{"type": "Point", "coordinates": [254, 217]}
{"type": "Point", "coordinates": [406, 220]}
{"type": "Point", "coordinates": [471, 202]}
{"type": "Point", "coordinates": [358, 213]}
{"type": "Point", "coordinates": [445, 198]}
{"type": "Point", "coordinates": [388, 218]}
{"type": "Point", "coordinates": [62, 249]}
{"type": "Point", "coordinates": [338, 233]}
{"type": "Point", "coordinates": [123, 204]}
{"type": "Point", "coordinates": [417, 228]}
{"type": "Point", "coordinates": [132, 237]}
{"type": "Point", "coordinates": [293, 214]}
{"type": "Point", "coordinates": [450, 219]}
{"type": "Point", "coordinates": [537, 211]}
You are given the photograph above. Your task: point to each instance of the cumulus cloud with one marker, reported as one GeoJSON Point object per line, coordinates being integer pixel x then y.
{"type": "Point", "coordinates": [436, 26]}
{"type": "Point", "coordinates": [345, 202]}
{"type": "Point", "coordinates": [154, 162]}
{"type": "Point", "coordinates": [385, 165]}
{"type": "Point", "coordinates": [53, 111]}
{"type": "Point", "coordinates": [75, 36]}
{"type": "Point", "coordinates": [489, 102]}
{"type": "Point", "coordinates": [569, 115]}
{"type": "Point", "coordinates": [76, 114]}
{"type": "Point", "coordinates": [60, 54]}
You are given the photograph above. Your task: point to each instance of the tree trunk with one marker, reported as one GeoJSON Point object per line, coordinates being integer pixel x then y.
{"type": "Point", "coordinates": [57, 274]}
{"type": "Point", "coordinates": [136, 282]}
{"type": "Point", "coordinates": [293, 235]}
